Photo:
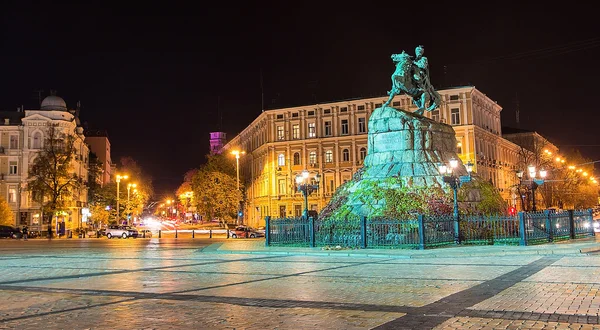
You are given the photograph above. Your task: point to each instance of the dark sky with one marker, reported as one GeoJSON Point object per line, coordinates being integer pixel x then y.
{"type": "Point", "coordinates": [153, 77]}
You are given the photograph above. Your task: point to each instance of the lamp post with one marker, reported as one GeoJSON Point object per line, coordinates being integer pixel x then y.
{"type": "Point", "coordinates": [118, 179]}
{"type": "Point", "coordinates": [302, 180]}
{"type": "Point", "coordinates": [129, 186]}
{"type": "Point", "coordinates": [532, 183]}
{"type": "Point", "coordinates": [450, 178]}
{"type": "Point", "coordinates": [237, 154]}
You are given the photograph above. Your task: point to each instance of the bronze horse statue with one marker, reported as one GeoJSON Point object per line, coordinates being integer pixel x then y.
{"type": "Point", "coordinates": [412, 78]}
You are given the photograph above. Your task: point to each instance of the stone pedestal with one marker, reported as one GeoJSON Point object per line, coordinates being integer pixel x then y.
{"type": "Point", "coordinates": [404, 151]}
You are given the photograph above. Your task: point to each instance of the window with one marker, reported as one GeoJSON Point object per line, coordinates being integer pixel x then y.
{"type": "Point", "coordinates": [281, 160]}
{"type": "Point", "coordinates": [360, 107]}
{"type": "Point", "coordinates": [435, 115]}
{"type": "Point", "coordinates": [297, 210]}
{"type": "Point", "coordinates": [281, 186]}
{"type": "Point", "coordinates": [312, 157]}
{"type": "Point", "coordinates": [455, 114]}
{"type": "Point", "coordinates": [453, 97]}
{"type": "Point", "coordinates": [37, 140]}
{"type": "Point", "coordinates": [396, 104]}
{"type": "Point", "coordinates": [295, 115]}
{"type": "Point", "coordinates": [296, 132]}
{"type": "Point", "coordinates": [280, 133]}
{"type": "Point", "coordinates": [12, 195]}
{"type": "Point", "coordinates": [312, 130]}
{"type": "Point", "coordinates": [296, 158]}
{"type": "Point", "coordinates": [344, 126]}
{"type": "Point", "coordinates": [378, 105]}
{"type": "Point", "coordinates": [328, 156]}
{"type": "Point", "coordinates": [327, 111]}
{"type": "Point", "coordinates": [327, 128]}
{"type": "Point", "coordinates": [279, 116]}
{"type": "Point", "coordinates": [459, 148]}
{"type": "Point", "coordinates": [12, 167]}
{"type": "Point", "coordinates": [311, 113]}
{"type": "Point", "coordinates": [363, 153]}
{"type": "Point", "coordinates": [344, 109]}
{"type": "Point", "coordinates": [345, 155]}
{"type": "Point", "coordinates": [14, 141]}
{"type": "Point", "coordinates": [362, 125]}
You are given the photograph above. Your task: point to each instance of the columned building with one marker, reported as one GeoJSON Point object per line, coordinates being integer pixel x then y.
{"type": "Point", "coordinates": [331, 139]}
{"type": "Point", "coordinates": [21, 137]}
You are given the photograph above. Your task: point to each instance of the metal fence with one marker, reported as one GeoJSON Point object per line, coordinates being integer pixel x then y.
{"type": "Point", "coordinates": [423, 232]}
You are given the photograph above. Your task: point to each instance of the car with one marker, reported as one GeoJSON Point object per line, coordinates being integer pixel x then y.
{"type": "Point", "coordinates": [245, 232]}
{"type": "Point", "coordinates": [10, 232]}
{"type": "Point", "coordinates": [596, 225]}
{"type": "Point", "coordinates": [121, 232]}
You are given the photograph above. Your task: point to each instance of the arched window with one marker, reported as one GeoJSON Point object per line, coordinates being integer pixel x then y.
{"type": "Point", "coordinates": [281, 160]}
{"type": "Point", "coordinates": [345, 155]}
{"type": "Point", "coordinates": [328, 156]}
{"type": "Point", "coordinates": [363, 153]}
{"type": "Point", "coordinates": [296, 158]}
{"type": "Point", "coordinates": [312, 157]}
{"type": "Point", "coordinates": [37, 140]}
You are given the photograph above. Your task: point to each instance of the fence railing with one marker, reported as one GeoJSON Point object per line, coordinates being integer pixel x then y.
{"type": "Point", "coordinates": [423, 232]}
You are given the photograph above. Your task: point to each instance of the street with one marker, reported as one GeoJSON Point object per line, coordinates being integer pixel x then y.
{"type": "Point", "coordinates": [188, 284]}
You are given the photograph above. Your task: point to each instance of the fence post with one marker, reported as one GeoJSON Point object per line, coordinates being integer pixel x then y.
{"type": "Point", "coordinates": [363, 231]}
{"type": "Point", "coordinates": [175, 233]}
{"type": "Point", "coordinates": [159, 233]}
{"type": "Point", "coordinates": [267, 230]}
{"type": "Point", "coordinates": [193, 234]}
{"type": "Point", "coordinates": [144, 234]}
{"type": "Point", "coordinates": [522, 230]}
{"type": "Point", "coordinates": [421, 220]}
{"type": "Point", "coordinates": [571, 224]}
{"type": "Point", "coordinates": [311, 229]}
{"type": "Point", "coordinates": [227, 230]}
{"type": "Point", "coordinates": [549, 229]}
{"type": "Point", "coordinates": [210, 233]}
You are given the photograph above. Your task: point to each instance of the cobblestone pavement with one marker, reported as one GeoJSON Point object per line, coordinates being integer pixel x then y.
{"type": "Point", "coordinates": [185, 284]}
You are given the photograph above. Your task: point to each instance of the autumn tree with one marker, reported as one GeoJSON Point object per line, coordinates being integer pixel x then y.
{"type": "Point", "coordinates": [51, 178]}
{"type": "Point", "coordinates": [215, 189]}
{"type": "Point", "coordinates": [143, 190]}
{"type": "Point", "coordinates": [6, 215]}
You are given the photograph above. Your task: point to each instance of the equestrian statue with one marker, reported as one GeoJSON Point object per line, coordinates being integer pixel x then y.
{"type": "Point", "coordinates": [412, 78]}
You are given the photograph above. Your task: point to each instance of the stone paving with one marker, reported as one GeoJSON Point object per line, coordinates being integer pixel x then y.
{"type": "Point", "coordinates": [193, 284]}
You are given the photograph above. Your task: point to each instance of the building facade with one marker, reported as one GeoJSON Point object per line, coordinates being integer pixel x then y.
{"type": "Point", "coordinates": [21, 137]}
{"type": "Point", "coordinates": [98, 142]}
{"type": "Point", "coordinates": [331, 139]}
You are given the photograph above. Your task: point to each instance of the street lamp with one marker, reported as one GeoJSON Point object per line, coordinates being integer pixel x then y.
{"type": "Point", "coordinates": [118, 178]}
{"type": "Point", "coordinates": [129, 186]}
{"type": "Point", "coordinates": [237, 154]}
{"type": "Point", "coordinates": [532, 183]}
{"type": "Point", "coordinates": [302, 180]}
{"type": "Point", "coordinates": [449, 174]}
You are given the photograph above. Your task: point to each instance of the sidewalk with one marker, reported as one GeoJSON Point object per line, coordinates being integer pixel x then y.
{"type": "Point", "coordinates": [573, 248]}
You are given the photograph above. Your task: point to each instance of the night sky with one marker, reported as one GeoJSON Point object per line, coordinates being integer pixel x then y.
{"type": "Point", "coordinates": [159, 79]}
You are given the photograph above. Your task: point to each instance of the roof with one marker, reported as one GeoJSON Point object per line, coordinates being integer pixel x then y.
{"type": "Point", "coordinates": [14, 116]}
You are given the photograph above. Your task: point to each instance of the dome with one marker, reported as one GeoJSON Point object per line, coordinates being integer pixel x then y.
{"type": "Point", "coordinates": [53, 102]}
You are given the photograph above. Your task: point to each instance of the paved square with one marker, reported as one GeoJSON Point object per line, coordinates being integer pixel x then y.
{"type": "Point", "coordinates": [187, 284]}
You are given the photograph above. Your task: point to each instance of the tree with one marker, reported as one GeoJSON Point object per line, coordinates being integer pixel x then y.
{"type": "Point", "coordinates": [144, 189]}
{"type": "Point", "coordinates": [51, 178]}
{"type": "Point", "coordinates": [7, 217]}
{"type": "Point", "coordinates": [215, 189]}
{"type": "Point", "coordinates": [183, 192]}
{"type": "Point", "coordinates": [94, 179]}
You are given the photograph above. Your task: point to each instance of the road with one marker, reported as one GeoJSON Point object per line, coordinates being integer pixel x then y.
{"type": "Point", "coordinates": [188, 284]}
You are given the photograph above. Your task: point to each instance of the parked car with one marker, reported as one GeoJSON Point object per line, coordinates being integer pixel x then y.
{"type": "Point", "coordinates": [121, 232]}
{"type": "Point", "coordinates": [245, 232]}
{"type": "Point", "coordinates": [10, 232]}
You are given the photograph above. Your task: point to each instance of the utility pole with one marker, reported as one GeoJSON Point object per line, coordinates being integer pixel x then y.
{"type": "Point", "coordinates": [517, 109]}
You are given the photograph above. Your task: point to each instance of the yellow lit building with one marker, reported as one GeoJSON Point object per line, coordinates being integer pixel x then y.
{"type": "Point", "coordinates": [22, 136]}
{"type": "Point", "coordinates": [331, 139]}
